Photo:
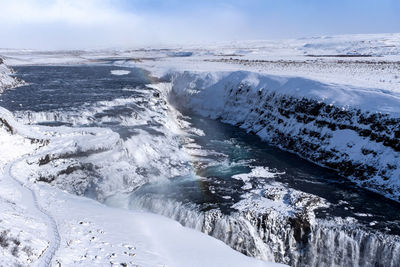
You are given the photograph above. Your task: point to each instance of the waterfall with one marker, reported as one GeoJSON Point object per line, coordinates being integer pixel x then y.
{"type": "Point", "coordinates": [297, 241]}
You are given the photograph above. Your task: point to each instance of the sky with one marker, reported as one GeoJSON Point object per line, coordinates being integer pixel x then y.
{"type": "Point", "coordinates": [80, 24]}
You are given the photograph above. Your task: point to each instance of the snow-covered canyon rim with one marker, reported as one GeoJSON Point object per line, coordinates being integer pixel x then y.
{"type": "Point", "coordinates": [353, 130]}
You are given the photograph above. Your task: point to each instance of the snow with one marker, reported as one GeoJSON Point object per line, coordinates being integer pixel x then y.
{"type": "Point", "coordinates": [375, 100]}
{"type": "Point", "coordinates": [95, 234]}
{"type": "Point", "coordinates": [6, 81]}
{"type": "Point", "coordinates": [25, 231]}
{"type": "Point", "coordinates": [270, 195]}
{"type": "Point", "coordinates": [257, 171]}
{"type": "Point", "coordinates": [120, 72]}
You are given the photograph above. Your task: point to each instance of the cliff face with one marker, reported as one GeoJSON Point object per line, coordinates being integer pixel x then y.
{"type": "Point", "coordinates": [351, 130]}
{"type": "Point", "coordinates": [6, 81]}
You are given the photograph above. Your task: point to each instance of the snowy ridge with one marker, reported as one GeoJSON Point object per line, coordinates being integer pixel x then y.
{"type": "Point", "coordinates": [352, 130]}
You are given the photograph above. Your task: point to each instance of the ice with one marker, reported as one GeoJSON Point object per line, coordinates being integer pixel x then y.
{"type": "Point", "coordinates": [120, 72]}
{"type": "Point", "coordinates": [256, 172]}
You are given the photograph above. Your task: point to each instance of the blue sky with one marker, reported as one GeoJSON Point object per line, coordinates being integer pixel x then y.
{"type": "Point", "coordinates": [125, 23]}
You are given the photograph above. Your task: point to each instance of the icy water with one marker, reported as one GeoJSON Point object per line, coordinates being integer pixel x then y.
{"type": "Point", "coordinates": [239, 151]}
{"type": "Point", "coordinates": [66, 87]}
{"type": "Point", "coordinates": [65, 95]}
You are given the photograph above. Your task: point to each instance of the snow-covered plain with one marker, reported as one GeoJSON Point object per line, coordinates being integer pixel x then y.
{"type": "Point", "coordinates": [364, 60]}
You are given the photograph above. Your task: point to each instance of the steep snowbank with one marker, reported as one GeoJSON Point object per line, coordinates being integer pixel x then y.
{"type": "Point", "coordinates": [353, 130]}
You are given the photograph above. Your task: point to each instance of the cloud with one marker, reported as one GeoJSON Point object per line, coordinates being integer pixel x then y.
{"type": "Point", "coordinates": [74, 12]}
{"type": "Point", "coordinates": [76, 24]}
{"type": "Point", "coordinates": [55, 24]}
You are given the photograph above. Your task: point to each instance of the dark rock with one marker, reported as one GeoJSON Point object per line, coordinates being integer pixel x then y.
{"type": "Point", "coordinates": [44, 160]}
